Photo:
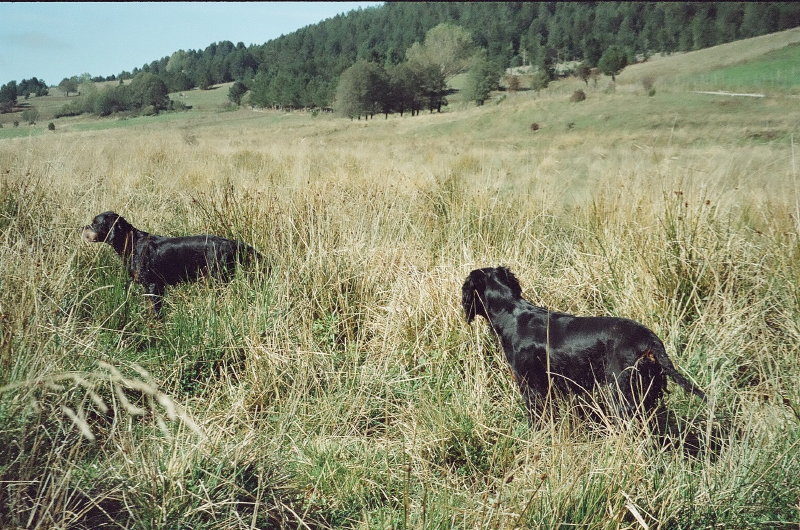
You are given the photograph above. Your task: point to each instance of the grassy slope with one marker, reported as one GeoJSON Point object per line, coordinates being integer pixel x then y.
{"type": "Point", "coordinates": [673, 69]}
{"type": "Point", "coordinates": [345, 389]}
{"type": "Point", "coordinates": [777, 71]}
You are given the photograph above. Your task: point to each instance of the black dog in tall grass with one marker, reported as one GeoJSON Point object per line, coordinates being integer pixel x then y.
{"type": "Point", "coordinates": [158, 261]}
{"type": "Point", "coordinates": [558, 353]}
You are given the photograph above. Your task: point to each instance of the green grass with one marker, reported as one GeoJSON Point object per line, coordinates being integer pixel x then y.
{"type": "Point", "coordinates": [204, 100]}
{"type": "Point", "coordinates": [22, 131]}
{"type": "Point", "coordinates": [776, 71]}
{"type": "Point", "coordinates": [668, 70]}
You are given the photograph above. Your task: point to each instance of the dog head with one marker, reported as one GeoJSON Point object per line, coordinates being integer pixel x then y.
{"type": "Point", "coordinates": [473, 292]}
{"type": "Point", "coordinates": [107, 227]}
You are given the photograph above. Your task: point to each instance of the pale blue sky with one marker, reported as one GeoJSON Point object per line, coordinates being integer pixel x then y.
{"type": "Point", "coordinates": [52, 41]}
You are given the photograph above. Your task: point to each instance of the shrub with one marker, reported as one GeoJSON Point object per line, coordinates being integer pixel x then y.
{"type": "Point", "coordinates": [584, 71]}
{"type": "Point", "coordinates": [30, 116]}
{"type": "Point", "coordinates": [51, 126]}
{"type": "Point", "coordinates": [539, 81]}
{"type": "Point", "coordinates": [178, 105]}
{"type": "Point", "coordinates": [534, 126]}
{"type": "Point", "coordinates": [578, 95]}
{"type": "Point", "coordinates": [73, 108]}
{"type": "Point", "coordinates": [235, 93]}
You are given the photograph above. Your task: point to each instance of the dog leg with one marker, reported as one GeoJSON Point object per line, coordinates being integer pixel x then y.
{"type": "Point", "coordinates": [155, 291]}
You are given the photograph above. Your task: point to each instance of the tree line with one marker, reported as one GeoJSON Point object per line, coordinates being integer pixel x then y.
{"type": "Point", "coordinates": [26, 88]}
{"type": "Point", "coordinates": [145, 94]}
{"type": "Point", "coordinates": [420, 82]}
{"type": "Point", "coordinates": [303, 68]}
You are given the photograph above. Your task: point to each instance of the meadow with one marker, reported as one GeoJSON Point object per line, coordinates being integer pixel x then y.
{"type": "Point", "coordinates": [343, 389]}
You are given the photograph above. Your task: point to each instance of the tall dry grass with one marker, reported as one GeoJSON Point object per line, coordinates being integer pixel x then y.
{"type": "Point", "coordinates": [344, 389]}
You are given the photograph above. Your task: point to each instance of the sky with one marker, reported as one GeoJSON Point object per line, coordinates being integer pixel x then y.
{"type": "Point", "coordinates": [52, 41]}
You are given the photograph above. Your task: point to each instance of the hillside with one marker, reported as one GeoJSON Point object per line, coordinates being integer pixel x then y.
{"type": "Point", "coordinates": [336, 383]}
{"type": "Point", "coordinates": [772, 53]}
{"type": "Point", "coordinates": [302, 68]}
{"type": "Point", "coordinates": [765, 64]}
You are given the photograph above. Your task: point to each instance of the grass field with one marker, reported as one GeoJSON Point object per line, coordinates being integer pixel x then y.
{"type": "Point", "coordinates": [778, 70]}
{"type": "Point", "coordinates": [680, 70]}
{"type": "Point", "coordinates": [344, 389]}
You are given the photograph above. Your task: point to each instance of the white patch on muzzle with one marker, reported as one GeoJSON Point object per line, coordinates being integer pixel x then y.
{"type": "Point", "coordinates": [89, 235]}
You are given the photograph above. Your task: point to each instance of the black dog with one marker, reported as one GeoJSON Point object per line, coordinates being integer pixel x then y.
{"type": "Point", "coordinates": [569, 354]}
{"type": "Point", "coordinates": [158, 261]}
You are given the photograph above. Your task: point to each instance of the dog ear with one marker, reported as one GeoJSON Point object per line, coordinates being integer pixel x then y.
{"type": "Point", "coordinates": [468, 299]}
{"type": "Point", "coordinates": [511, 281]}
{"type": "Point", "coordinates": [112, 220]}
{"type": "Point", "coordinates": [119, 228]}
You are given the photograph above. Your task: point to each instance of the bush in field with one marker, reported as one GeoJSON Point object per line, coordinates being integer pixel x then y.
{"type": "Point", "coordinates": [235, 93]}
{"type": "Point", "coordinates": [111, 100]}
{"type": "Point", "coordinates": [539, 81]}
{"type": "Point", "coordinates": [30, 116]}
{"type": "Point", "coordinates": [584, 72]}
{"type": "Point", "coordinates": [578, 95]}
{"type": "Point", "coordinates": [73, 108]}
{"type": "Point", "coordinates": [648, 83]}
{"type": "Point", "coordinates": [51, 126]}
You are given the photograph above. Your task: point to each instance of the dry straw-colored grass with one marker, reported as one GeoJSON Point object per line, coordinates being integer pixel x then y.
{"type": "Point", "coordinates": [344, 389]}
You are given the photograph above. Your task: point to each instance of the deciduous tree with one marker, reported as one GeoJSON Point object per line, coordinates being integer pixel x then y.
{"type": "Point", "coordinates": [448, 46]}
{"type": "Point", "coordinates": [149, 90]}
{"type": "Point", "coordinates": [69, 84]}
{"type": "Point", "coordinates": [361, 90]}
{"type": "Point", "coordinates": [613, 61]}
{"type": "Point", "coordinates": [483, 77]}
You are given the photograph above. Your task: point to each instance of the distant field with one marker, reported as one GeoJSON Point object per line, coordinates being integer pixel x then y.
{"type": "Point", "coordinates": [676, 70]}
{"type": "Point", "coordinates": [337, 385]}
{"type": "Point", "coordinates": [46, 105]}
{"type": "Point", "coordinates": [777, 71]}
{"type": "Point", "coordinates": [213, 99]}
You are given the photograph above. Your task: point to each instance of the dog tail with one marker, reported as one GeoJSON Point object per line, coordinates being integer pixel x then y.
{"type": "Point", "coordinates": [666, 364]}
